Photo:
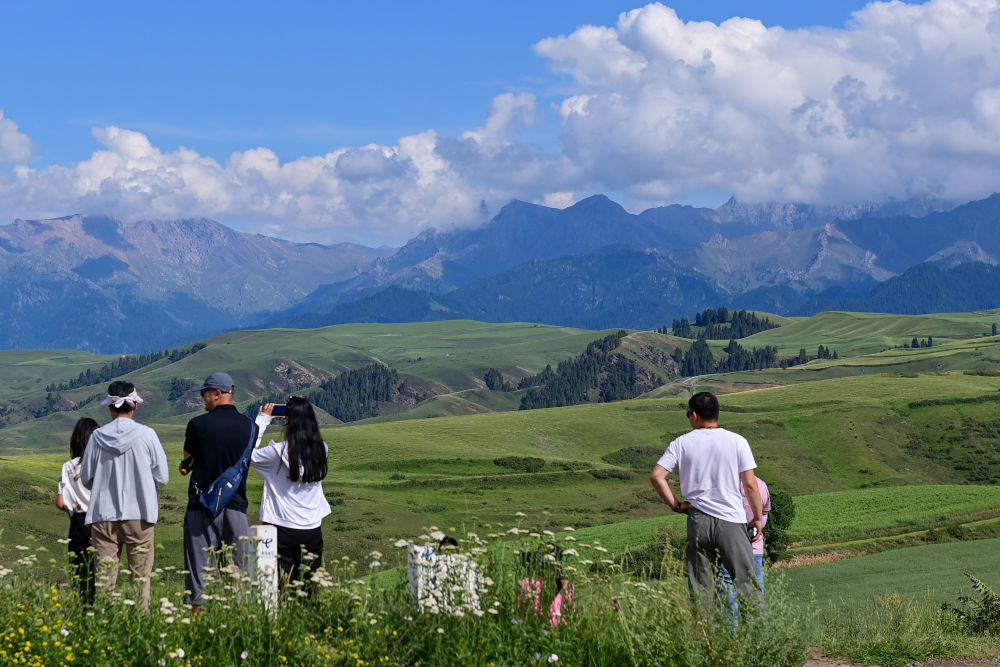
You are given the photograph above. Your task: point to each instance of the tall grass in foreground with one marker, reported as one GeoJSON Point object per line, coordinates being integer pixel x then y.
{"type": "Point", "coordinates": [361, 614]}
{"type": "Point", "coordinates": [893, 630]}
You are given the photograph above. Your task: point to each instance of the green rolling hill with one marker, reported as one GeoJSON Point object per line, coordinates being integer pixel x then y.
{"type": "Point", "coordinates": [917, 419]}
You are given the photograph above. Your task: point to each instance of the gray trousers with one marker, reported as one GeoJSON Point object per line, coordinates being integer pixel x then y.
{"type": "Point", "coordinates": [712, 542]}
{"type": "Point", "coordinates": [204, 537]}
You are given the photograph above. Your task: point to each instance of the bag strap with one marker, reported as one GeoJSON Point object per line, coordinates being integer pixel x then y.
{"type": "Point", "coordinates": [253, 440]}
{"type": "Point", "coordinates": [241, 463]}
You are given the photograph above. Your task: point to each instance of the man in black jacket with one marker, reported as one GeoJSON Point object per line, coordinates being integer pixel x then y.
{"type": "Point", "coordinates": [214, 442]}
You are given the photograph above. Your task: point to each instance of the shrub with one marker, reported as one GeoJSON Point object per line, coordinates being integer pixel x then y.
{"type": "Point", "coordinates": [521, 463]}
{"type": "Point", "coordinates": [779, 520]}
{"type": "Point", "coordinates": [981, 616]}
{"type": "Point", "coordinates": [611, 473]}
{"type": "Point", "coordinates": [640, 459]}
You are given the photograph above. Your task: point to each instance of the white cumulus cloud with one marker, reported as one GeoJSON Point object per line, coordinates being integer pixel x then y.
{"type": "Point", "coordinates": [904, 101]}
{"type": "Point", "coordinates": [15, 146]}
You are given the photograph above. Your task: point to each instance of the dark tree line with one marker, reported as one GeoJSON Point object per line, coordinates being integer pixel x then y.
{"type": "Point", "coordinates": [178, 387]}
{"type": "Point", "coordinates": [680, 328]}
{"type": "Point", "coordinates": [595, 374]}
{"type": "Point", "coordinates": [495, 382]}
{"type": "Point", "coordinates": [720, 324]}
{"type": "Point", "coordinates": [826, 353]}
{"type": "Point", "coordinates": [122, 366]}
{"type": "Point", "coordinates": [699, 360]}
{"type": "Point", "coordinates": [53, 403]}
{"type": "Point", "coordinates": [356, 394]}
{"type": "Point", "coordinates": [742, 359]}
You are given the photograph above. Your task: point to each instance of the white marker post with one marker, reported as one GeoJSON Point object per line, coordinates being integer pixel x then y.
{"type": "Point", "coordinates": [265, 564]}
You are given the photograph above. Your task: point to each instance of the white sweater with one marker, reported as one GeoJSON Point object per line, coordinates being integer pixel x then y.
{"type": "Point", "coordinates": [286, 503]}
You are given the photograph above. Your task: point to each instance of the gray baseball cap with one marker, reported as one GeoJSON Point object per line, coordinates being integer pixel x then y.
{"type": "Point", "coordinates": [221, 381]}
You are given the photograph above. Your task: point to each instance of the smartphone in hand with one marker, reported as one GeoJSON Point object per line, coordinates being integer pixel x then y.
{"type": "Point", "coordinates": [752, 533]}
{"type": "Point", "coordinates": [187, 464]}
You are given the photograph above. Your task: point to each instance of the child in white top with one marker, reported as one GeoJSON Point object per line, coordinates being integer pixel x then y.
{"type": "Point", "coordinates": [74, 497]}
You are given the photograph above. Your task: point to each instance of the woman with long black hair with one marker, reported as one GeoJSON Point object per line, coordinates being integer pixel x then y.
{"type": "Point", "coordinates": [73, 497]}
{"type": "Point", "coordinates": [293, 499]}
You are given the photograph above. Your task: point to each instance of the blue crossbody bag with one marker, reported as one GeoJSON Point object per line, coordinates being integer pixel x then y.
{"type": "Point", "coordinates": [215, 498]}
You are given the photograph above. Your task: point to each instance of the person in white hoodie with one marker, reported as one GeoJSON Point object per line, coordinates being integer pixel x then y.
{"type": "Point", "coordinates": [123, 466]}
{"type": "Point", "coordinates": [293, 499]}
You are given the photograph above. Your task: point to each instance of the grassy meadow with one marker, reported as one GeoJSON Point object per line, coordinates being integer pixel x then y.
{"type": "Point", "coordinates": [441, 358]}
{"type": "Point", "coordinates": [893, 469]}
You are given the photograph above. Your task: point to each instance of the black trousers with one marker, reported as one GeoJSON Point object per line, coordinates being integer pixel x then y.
{"type": "Point", "coordinates": [81, 556]}
{"type": "Point", "coordinates": [292, 543]}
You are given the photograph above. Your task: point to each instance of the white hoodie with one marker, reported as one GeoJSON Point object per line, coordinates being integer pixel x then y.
{"type": "Point", "coordinates": [123, 465]}
{"type": "Point", "coordinates": [299, 505]}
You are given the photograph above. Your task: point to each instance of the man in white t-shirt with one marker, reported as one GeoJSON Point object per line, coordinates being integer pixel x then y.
{"type": "Point", "coordinates": [713, 464]}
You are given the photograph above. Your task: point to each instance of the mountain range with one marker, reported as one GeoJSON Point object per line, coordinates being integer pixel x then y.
{"type": "Point", "coordinates": [101, 284]}
{"type": "Point", "coordinates": [108, 285]}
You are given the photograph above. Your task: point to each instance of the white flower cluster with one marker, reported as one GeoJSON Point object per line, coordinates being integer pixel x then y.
{"type": "Point", "coordinates": [321, 578]}
{"type": "Point", "coordinates": [449, 583]}
{"type": "Point", "coordinates": [168, 609]}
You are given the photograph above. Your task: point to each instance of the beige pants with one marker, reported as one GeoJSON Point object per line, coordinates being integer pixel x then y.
{"type": "Point", "coordinates": [108, 538]}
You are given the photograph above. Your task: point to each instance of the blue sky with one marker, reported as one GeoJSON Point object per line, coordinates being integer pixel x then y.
{"type": "Point", "coordinates": [299, 78]}
{"type": "Point", "coordinates": [333, 121]}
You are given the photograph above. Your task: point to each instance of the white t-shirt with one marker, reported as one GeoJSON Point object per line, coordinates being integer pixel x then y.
{"type": "Point", "coordinates": [75, 495]}
{"type": "Point", "coordinates": [709, 462]}
{"type": "Point", "coordinates": [284, 502]}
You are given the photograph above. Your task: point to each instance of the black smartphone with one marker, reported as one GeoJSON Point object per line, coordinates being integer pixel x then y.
{"type": "Point", "coordinates": [279, 411]}
{"type": "Point", "coordinates": [752, 533]}
{"type": "Point", "coordinates": [186, 463]}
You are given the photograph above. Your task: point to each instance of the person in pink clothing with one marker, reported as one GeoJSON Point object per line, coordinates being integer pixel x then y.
{"type": "Point", "coordinates": [758, 543]}
{"type": "Point", "coordinates": [758, 546]}
{"type": "Point", "coordinates": [544, 578]}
